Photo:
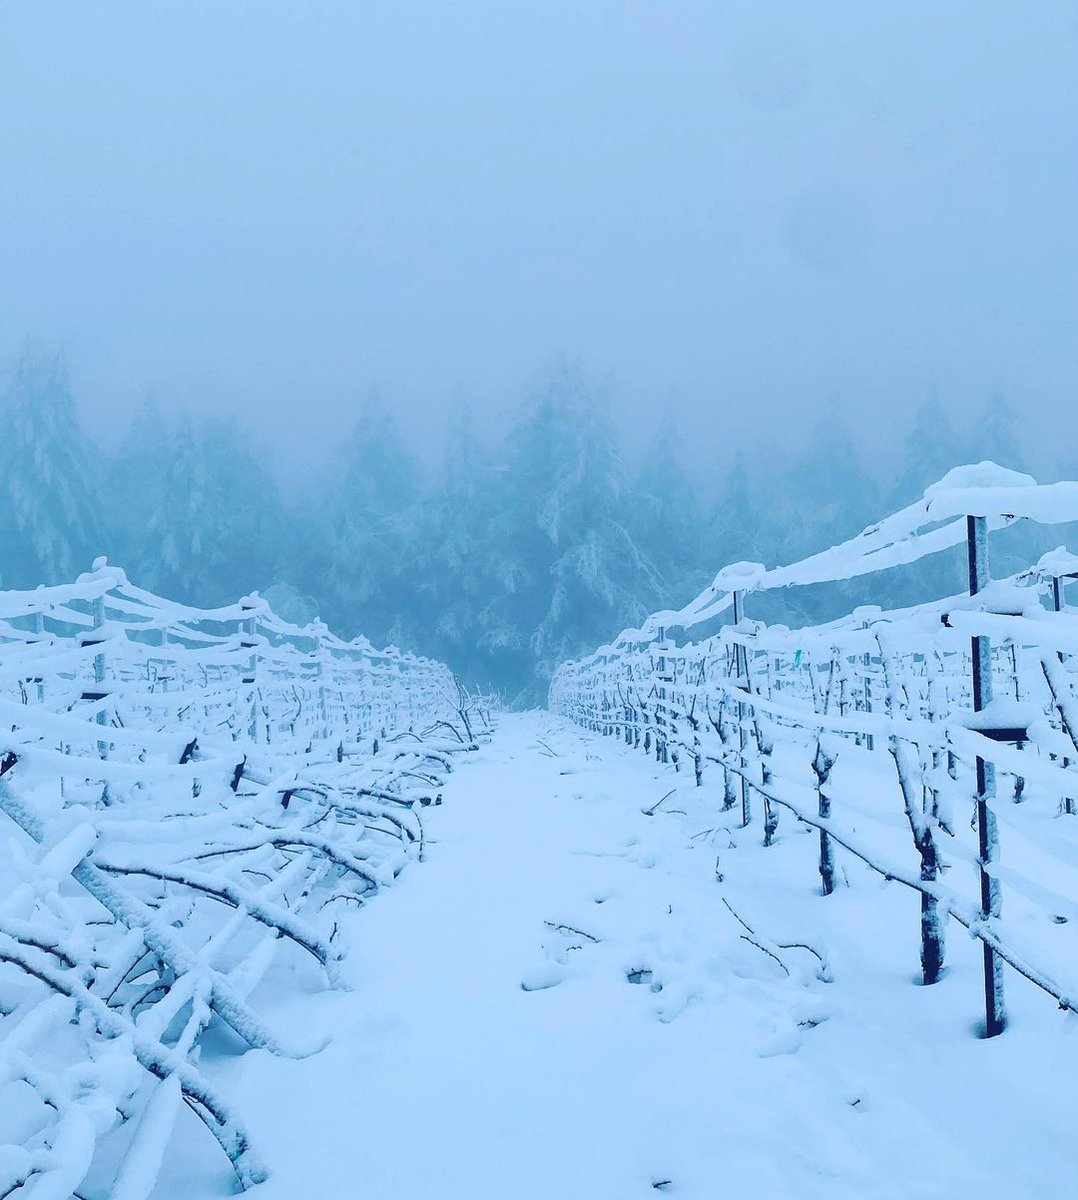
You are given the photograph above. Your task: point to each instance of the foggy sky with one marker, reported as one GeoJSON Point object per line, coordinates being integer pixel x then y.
{"type": "Point", "coordinates": [743, 211]}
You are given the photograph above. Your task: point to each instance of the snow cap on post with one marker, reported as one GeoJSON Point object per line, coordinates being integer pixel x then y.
{"type": "Point", "coordinates": [1059, 563]}
{"type": "Point", "coordinates": [254, 603]}
{"type": "Point", "coordinates": [102, 572]}
{"type": "Point", "coordinates": [982, 489]}
{"type": "Point", "coordinates": [739, 577]}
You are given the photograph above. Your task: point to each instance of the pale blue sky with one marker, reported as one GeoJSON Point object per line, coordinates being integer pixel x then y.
{"type": "Point", "coordinates": [741, 209]}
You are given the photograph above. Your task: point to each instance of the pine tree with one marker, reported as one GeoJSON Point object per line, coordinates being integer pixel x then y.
{"type": "Point", "coordinates": [664, 514]}
{"type": "Point", "coordinates": [999, 435]}
{"type": "Point", "coordinates": [571, 572]}
{"type": "Point", "coordinates": [200, 515]}
{"type": "Point", "coordinates": [51, 521]}
{"type": "Point", "coordinates": [137, 494]}
{"type": "Point", "coordinates": [931, 449]}
{"type": "Point", "coordinates": [999, 439]}
{"type": "Point", "coordinates": [822, 497]}
{"type": "Point", "coordinates": [733, 532]}
{"type": "Point", "coordinates": [454, 571]}
{"type": "Point", "coordinates": [371, 520]}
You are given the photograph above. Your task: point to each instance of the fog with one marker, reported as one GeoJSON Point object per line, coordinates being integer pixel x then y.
{"type": "Point", "coordinates": [744, 213]}
{"type": "Point", "coordinates": [538, 599]}
{"type": "Point", "coordinates": [713, 281]}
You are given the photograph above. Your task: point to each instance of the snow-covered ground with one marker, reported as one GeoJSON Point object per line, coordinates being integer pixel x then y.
{"type": "Point", "coordinates": [559, 1003]}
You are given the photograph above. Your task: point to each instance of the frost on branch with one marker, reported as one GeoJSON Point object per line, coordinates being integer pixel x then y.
{"type": "Point", "coordinates": [881, 728]}
{"type": "Point", "coordinates": [185, 795]}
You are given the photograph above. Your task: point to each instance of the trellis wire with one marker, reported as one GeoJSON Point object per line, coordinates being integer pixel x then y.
{"type": "Point", "coordinates": [944, 700]}
{"type": "Point", "coordinates": [183, 792]}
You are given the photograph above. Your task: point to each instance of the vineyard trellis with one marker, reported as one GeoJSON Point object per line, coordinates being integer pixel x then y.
{"type": "Point", "coordinates": [887, 720]}
{"type": "Point", "coordinates": [183, 793]}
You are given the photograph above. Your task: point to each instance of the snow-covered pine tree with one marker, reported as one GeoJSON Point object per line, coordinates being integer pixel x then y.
{"type": "Point", "coordinates": [998, 435]}
{"type": "Point", "coordinates": [200, 515]}
{"type": "Point", "coordinates": [572, 570]}
{"type": "Point", "coordinates": [52, 523]}
{"type": "Point", "coordinates": [455, 559]}
{"type": "Point", "coordinates": [521, 552]}
{"type": "Point", "coordinates": [664, 513]}
{"type": "Point", "coordinates": [370, 518]}
{"type": "Point", "coordinates": [136, 497]}
{"type": "Point", "coordinates": [931, 448]}
{"type": "Point", "coordinates": [822, 496]}
{"type": "Point", "coordinates": [733, 529]}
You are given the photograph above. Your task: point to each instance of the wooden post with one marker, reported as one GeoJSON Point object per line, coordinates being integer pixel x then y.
{"type": "Point", "coordinates": [866, 663]}
{"type": "Point", "coordinates": [39, 680]}
{"type": "Point", "coordinates": [662, 753]}
{"type": "Point", "coordinates": [821, 766]}
{"type": "Point", "coordinates": [694, 721]}
{"type": "Point", "coordinates": [164, 677]}
{"type": "Point", "coordinates": [1058, 582]}
{"type": "Point", "coordinates": [249, 643]}
{"type": "Point", "coordinates": [741, 669]}
{"type": "Point", "coordinates": [321, 653]}
{"type": "Point", "coordinates": [99, 682]}
{"type": "Point", "coordinates": [987, 836]}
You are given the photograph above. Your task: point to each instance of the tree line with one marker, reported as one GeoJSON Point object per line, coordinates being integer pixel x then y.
{"type": "Point", "coordinates": [506, 563]}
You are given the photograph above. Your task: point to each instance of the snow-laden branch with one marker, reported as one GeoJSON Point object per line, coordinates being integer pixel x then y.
{"type": "Point", "coordinates": [184, 794]}
{"type": "Point", "coordinates": [877, 728]}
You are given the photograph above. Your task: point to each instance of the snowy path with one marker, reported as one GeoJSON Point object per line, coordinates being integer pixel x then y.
{"type": "Point", "coordinates": [447, 1079]}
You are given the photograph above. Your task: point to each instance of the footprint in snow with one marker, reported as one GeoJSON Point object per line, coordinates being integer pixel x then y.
{"type": "Point", "coordinates": [561, 942]}
{"type": "Point", "coordinates": [783, 1041]}
{"type": "Point", "coordinates": [641, 975]}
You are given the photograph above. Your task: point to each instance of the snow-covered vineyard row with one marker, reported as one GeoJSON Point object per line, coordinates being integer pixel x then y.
{"type": "Point", "coordinates": [937, 744]}
{"type": "Point", "coordinates": [185, 794]}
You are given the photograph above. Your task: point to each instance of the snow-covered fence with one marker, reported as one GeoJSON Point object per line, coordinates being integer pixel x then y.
{"type": "Point", "coordinates": [184, 793]}
{"type": "Point", "coordinates": [887, 721]}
